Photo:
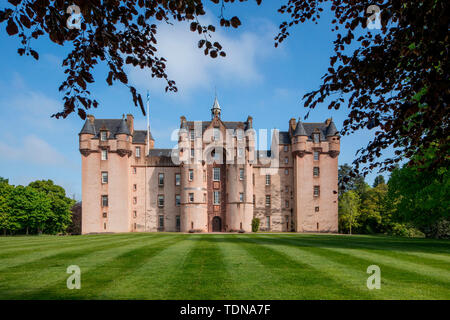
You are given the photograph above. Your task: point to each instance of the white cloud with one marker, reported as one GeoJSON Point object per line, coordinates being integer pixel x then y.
{"type": "Point", "coordinates": [191, 69]}
{"type": "Point", "coordinates": [35, 151]}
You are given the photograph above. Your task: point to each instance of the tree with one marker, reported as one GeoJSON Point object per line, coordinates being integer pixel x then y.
{"type": "Point", "coordinates": [349, 211]}
{"type": "Point", "coordinates": [60, 217]}
{"type": "Point", "coordinates": [7, 221]}
{"type": "Point", "coordinates": [30, 208]}
{"type": "Point", "coordinates": [255, 224]}
{"type": "Point", "coordinates": [394, 81]}
{"type": "Point", "coordinates": [372, 218]}
{"type": "Point", "coordinates": [378, 180]}
{"type": "Point", "coordinates": [421, 198]}
{"type": "Point", "coordinates": [349, 180]}
{"type": "Point", "coordinates": [3, 180]}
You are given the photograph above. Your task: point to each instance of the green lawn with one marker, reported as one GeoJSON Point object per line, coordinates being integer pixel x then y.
{"type": "Point", "coordinates": [223, 266]}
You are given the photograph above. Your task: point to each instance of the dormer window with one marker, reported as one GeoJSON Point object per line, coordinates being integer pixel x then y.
{"type": "Point", "coordinates": [216, 134]}
{"type": "Point", "coordinates": [316, 137]}
{"type": "Point", "coordinates": [103, 135]}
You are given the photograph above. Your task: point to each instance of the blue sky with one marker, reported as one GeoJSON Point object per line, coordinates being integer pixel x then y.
{"type": "Point", "coordinates": [254, 79]}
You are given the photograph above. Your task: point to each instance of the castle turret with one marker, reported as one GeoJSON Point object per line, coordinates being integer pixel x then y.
{"type": "Point", "coordinates": [123, 139]}
{"type": "Point", "coordinates": [86, 134]}
{"type": "Point", "coordinates": [333, 139]}
{"type": "Point", "coordinates": [299, 139]}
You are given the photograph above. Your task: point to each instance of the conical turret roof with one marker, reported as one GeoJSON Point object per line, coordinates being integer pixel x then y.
{"type": "Point", "coordinates": [300, 129]}
{"type": "Point", "coordinates": [88, 128]}
{"type": "Point", "coordinates": [123, 128]}
{"type": "Point", "coordinates": [332, 130]}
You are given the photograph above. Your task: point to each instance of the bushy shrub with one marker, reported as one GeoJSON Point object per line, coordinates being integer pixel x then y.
{"type": "Point", "coordinates": [255, 224]}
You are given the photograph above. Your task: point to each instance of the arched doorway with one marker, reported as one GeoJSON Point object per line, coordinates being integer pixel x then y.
{"type": "Point", "coordinates": [216, 224]}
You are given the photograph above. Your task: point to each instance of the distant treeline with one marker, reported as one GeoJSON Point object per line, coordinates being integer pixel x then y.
{"type": "Point", "coordinates": [40, 207]}
{"type": "Point", "coordinates": [411, 203]}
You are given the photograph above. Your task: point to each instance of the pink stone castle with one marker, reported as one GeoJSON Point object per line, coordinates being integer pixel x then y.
{"type": "Point", "coordinates": [215, 181]}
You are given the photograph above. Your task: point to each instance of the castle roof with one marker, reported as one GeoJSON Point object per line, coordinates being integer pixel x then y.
{"type": "Point", "coordinates": [332, 130]}
{"type": "Point", "coordinates": [114, 126]}
{"type": "Point", "coordinates": [300, 130]}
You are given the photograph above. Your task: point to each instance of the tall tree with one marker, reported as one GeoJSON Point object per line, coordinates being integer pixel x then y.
{"type": "Point", "coordinates": [421, 198]}
{"type": "Point", "coordinates": [378, 180]}
{"type": "Point", "coordinates": [31, 208]}
{"type": "Point", "coordinates": [7, 221]}
{"type": "Point", "coordinates": [60, 217]}
{"type": "Point", "coordinates": [349, 180]}
{"type": "Point", "coordinates": [349, 212]}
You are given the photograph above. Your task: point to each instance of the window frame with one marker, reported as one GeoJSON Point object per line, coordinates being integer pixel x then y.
{"type": "Point", "coordinates": [137, 152]}
{"type": "Point", "coordinates": [268, 200]}
{"type": "Point", "coordinates": [159, 198]}
{"type": "Point", "coordinates": [177, 200]}
{"type": "Point", "coordinates": [104, 154]}
{"type": "Point", "coordinates": [268, 180]}
{"type": "Point", "coordinates": [216, 197]}
{"type": "Point", "coordinates": [241, 197]}
{"type": "Point", "coordinates": [161, 221]}
{"type": "Point", "coordinates": [104, 181]}
{"type": "Point", "coordinates": [160, 174]}
{"type": "Point", "coordinates": [191, 175]}
{"type": "Point", "coordinates": [216, 170]}
{"type": "Point", "coordinates": [241, 174]}
{"type": "Point", "coordinates": [316, 170]}
{"type": "Point", "coordinates": [191, 197]}
{"type": "Point", "coordinates": [316, 188]}
{"type": "Point", "coordinates": [177, 179]}
{"type": "Point", "coordinates": [103, 135]}
{"type": "Point", "coordinates": [103, 197]}
{"type": "Point", "coordinates": [314, 155]}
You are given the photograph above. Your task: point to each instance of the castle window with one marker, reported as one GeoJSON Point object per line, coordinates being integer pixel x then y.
{"type": "Point", "coordinates": [316, 191]}
{"type": "Point", "coordinates": [241, 197]}
{"type": "Point", "coordinates": [239, 134]}
{"type": "Point", "coordinates": [134, 200]}
{"type": "Point", "coordinates": [267, 201]}
{"type": "Point", "coordinates": [191, 197]}
{"type": "Point", "coordinates": [286, 189]}
{"type": "Point", "coordinates": [286, 160]}
{"type": "Point", "coordinates": [177, 179]}
{"type": "Point", "coordinates": [134, 170]}
{"type": "Point", "coordinates": [134, 187]}
{"type": "Point", "coordinates": [160, 200]}
{"type": "Point", "coordinates": [316, 155]}
{"type": "Point", "coordinates": [316, 137]}
{"type": "Point", "coordinates": [104, 154]}
{"type": "Point", "coordinates": [104, 201]}
{"type": "Point", "coordinates": [286, 171]}
{"type": "Point", "coordinates": [316, 171]}
{"type": "Point", "coordinates": [192, 133]}
{"type": "Point", "coordinates": [192, 152]}
{"type": "Point", "coordinates": [103, 135]}
{"type": "Point", "coordinates": [216, 134]}
{"type": "Point", "coordinates": [161, 221]}
{"type": "Point", "coordinates": [267, 222]}
{"type": "Point", "coordinates": [177, 200]}
{"type": "Point", "coordinates": [104, 177]}
{"type": "Point", "coordinates": [316, 209]}
{"type": "Point", "coordinates": [105, 215]}
{"type": "Point", "coordinates": [254, 199]}
{"type": "Point", "coordinates": [177, 222]}
{"type": "Point", "coordinates": [204, 197]}
{"type": "Point", "coordinates": [267, 179]}
{"type": "Point", "coordinates": [191, 175]}
{"type": "Point", "coordinates": [286, 148]}
{"type": "Point", "coordinates": [161, 179]}
{"type": "Point", "coordinates": [138, 152]}
{"type": "Point", "coordinates": [216, 174]}
{"type": "Point", "coordinates": [241, 174]}
{"type": "Point", "coordinates": [240, 152]}
{"type": "Point", "coordinates": [216, 197]}
{"type": "Point", "coordinates": [286, 204]}
{"type": "Point", "coordinates": [134, 214]}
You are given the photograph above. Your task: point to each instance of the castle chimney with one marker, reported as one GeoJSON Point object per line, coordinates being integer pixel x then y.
{"type": "Point", "coordinates": [130, 123]}
{"type": "Point", "coordinates": [292, 124]}
{"type": "Point", "coordinates": [250, 122]}
{"type": "Point", "coordinates": [91, 118]}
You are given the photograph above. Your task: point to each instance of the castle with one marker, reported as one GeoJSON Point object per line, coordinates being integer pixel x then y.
{"type": "Point", "coordinates": [215, 181]}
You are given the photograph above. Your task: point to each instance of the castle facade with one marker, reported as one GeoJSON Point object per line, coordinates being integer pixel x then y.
{"type": "Point", "coordinates": [214, 181]}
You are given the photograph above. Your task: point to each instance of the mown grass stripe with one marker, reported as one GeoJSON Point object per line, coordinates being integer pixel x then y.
{"type": "Point", "coordinates": [154, 279]}
{"type": "Point", "coordinates": [51, 283]}
{"type": "Point", "coordinates": [397, 283]}
{"type": "Point", "coordinates": [23, 261]}
{"type": "Point", "coordinates": [299, 280]}
{"type": "Point", "coordinates": [202, 274]}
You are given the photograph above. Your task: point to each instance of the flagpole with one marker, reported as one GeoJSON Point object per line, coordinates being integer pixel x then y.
{"type": "Point", "coordinates": [145, 162]}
